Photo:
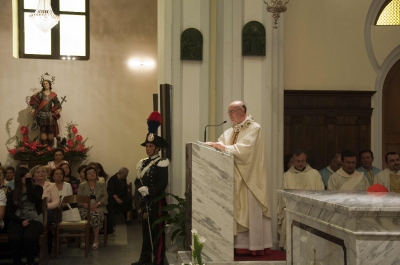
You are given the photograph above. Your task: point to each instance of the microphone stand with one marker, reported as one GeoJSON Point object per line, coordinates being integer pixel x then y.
{"type": "Point", "coordinates": [205, 129]}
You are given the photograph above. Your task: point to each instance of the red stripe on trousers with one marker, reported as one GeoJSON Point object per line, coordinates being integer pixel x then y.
{"type": "Point", "coordinates": [161, 239]}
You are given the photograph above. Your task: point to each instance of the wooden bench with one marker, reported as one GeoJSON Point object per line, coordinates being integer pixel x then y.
{"type": "Point", "coordinates": [43, 247]}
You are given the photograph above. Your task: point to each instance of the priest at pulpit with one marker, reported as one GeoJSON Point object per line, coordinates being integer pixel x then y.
{"type": "Point", "coordinates": [244, 140]}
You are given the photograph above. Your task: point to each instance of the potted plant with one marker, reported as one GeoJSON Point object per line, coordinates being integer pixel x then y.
{"type": "Point", "coordinates": [175, 218]}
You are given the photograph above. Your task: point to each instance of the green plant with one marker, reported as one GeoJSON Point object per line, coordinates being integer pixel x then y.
{"type": "Point", "coordinates": [175, 217]}
{"type": "Point", "coordinates": [198, 243]}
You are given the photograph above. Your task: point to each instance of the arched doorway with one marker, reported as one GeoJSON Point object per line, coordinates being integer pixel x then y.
{"type": "Point", "coordinates": [391, 113]}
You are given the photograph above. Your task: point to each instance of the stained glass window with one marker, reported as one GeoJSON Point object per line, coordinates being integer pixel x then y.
{"type": "Point", "coordinates": [390, 15]}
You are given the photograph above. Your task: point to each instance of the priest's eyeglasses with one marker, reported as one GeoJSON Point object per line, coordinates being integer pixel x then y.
{"type": "Point", "coordinates": [232, 111]}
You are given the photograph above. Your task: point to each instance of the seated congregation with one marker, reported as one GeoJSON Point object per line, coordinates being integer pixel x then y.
{"type": "Point", "coordinates": [34, 212]}
{"type": "Point", "coordinates": [32, 200]}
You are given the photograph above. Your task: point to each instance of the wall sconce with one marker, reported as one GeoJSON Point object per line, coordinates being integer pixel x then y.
{"type": "Point", "coordinates": [136, 63]}
{"type": "Point", "coordinates": [276, 7]}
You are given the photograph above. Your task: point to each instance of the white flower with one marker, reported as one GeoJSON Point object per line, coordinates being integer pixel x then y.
{"type": "Point", "coordinates": [202, 239]}
{"type": "Point", "coordinates": [194, 231]}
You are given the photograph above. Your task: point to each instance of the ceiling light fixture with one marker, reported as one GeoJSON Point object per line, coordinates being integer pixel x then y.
{"type": "Point", "coordinates": [276, 7]}
{"type": "Point", "coordinates": [44, 18]}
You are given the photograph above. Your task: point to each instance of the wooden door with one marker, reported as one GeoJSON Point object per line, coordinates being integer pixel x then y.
{"type": "Point", "coordinates": [391, 113]}
{"type": "Point", "coordinates": [325, 122]}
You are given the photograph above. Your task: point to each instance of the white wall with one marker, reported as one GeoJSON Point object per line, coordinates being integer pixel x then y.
{"type": "Point", "coordinates": [189, 79]}
{"type": "Point", "coordinates": [109, 100]}
{"type": "Point", "coordinates": [337, 47]}
{"type": "Point", "coordinates": [236, 78]}
{"type": "Point", "coordinates": [324, 46]}
{"type": "Point", "coordinates": [319, 45]}
{"type": "Point", "coordinates": [257, 80]}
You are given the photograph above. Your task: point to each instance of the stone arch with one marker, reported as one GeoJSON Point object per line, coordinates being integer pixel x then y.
{"type": "Point", "coordinates": [381, 71]}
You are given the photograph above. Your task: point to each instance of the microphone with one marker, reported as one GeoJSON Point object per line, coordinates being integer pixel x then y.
{"type": "Point", "coordinates": [205, 129]}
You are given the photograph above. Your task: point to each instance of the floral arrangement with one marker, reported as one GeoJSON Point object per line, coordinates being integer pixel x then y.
{"type": "Point", "coordinates": [198, 243]}
{"type": "Point", "coordinates": [73, 145]}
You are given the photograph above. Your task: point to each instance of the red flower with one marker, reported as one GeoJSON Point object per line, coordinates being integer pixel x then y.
{"type": "Point", "coordinates": [12, 151]}
{"type": "Point", "coordinates": [25, 138]}
{"type": "Point", "coordinates": [80, 147]}
{"type": "Point", "coordinates": [40, 153]}
{"type": "Point", "coordinates": [33, 148]}
{"type": "Point", "coordinates": [21, 149]}
{"type": "Point", "coordinates": [70, 143]}
{"type": "Point", "coordinates": [49, 149]}
{"type": "Point", "coordinates": [74, 130]}
{"type": "Point", "coordinates": [78, 138]}
{"type": "Point", "coordinates": [24, 130]}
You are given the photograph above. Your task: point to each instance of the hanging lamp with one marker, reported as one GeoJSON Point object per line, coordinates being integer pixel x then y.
{"type": "Point", "coordinates": [44, 18]}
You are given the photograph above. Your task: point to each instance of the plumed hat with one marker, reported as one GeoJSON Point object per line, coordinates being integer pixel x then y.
{"type": "Point", "coordinates": [153, 122]}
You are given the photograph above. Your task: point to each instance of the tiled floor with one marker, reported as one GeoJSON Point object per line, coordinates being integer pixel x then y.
{"type": "Point", "coordinates": [123, 248]}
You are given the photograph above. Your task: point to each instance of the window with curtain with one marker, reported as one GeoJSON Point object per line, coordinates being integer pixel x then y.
{"type": "Point", "coordinates": [68, 40]}
{"type": "Point", "coordinates": [390, 14]}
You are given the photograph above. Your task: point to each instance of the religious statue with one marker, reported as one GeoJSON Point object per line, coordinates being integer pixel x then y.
{"type": "Point", "coordinates": [46, 110]}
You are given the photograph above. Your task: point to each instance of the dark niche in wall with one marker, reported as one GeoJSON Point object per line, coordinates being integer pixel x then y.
{"type": "Point", "coordinates": [191, 44]}
{"type": "Point", "coordinates": [253, 39]}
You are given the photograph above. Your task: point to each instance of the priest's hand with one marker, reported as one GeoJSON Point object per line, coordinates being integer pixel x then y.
{"type": "Point", "coordinates": [144, 190]}
{"type": "Point", "coordinates": [217, 145]}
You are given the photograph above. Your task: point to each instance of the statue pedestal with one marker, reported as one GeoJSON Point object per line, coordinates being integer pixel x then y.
{"type": "Point", "coordinates": [331, 227]}
{"type": "Point", "coordinates": [31, 162]}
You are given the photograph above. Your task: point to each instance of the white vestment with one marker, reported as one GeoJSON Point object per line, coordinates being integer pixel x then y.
{"type": "Point", "coordinates": [252, 227]}
{"type": "Point", "coordinates": [343, 181]}
{"type": "Point", "coordinates": [308, 179]}
{"type": "Point", "coordinates": [383, 177]}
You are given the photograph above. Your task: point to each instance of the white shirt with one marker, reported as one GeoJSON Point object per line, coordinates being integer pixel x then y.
{"type": "Point", "coordinates": [66, 190]}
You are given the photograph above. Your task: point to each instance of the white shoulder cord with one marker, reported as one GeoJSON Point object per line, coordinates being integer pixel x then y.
{"type": "Point", "coordinates": [141, 173]}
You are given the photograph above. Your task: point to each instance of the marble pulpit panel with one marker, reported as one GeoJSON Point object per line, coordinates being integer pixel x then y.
{"type": "Point", "coordinates": [212, 200]}
{"type": "Point", "coordinates": [329, 227]}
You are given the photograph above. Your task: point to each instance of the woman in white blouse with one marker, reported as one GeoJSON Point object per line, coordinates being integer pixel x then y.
{"type": "Point", "coordinates": [57, 176]}
{"type": "Point", "coordinates": [50, 191]}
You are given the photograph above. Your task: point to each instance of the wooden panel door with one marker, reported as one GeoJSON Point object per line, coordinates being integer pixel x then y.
{"type": "Point", "coordinates": [391, 114]}
{"type": "Point", "coordinates": [325, 122]}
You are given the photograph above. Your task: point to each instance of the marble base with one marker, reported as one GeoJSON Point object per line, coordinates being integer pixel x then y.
{"type": "Point", "coordinates": [212, 199]}
{"type": "Point", "coordinates": [331, 227]}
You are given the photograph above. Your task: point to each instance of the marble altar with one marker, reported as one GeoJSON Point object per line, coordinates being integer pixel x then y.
{"type": "Point", "coordinates": [332, 227]}
{"type": "Point", "coordinates": [209, 183]}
